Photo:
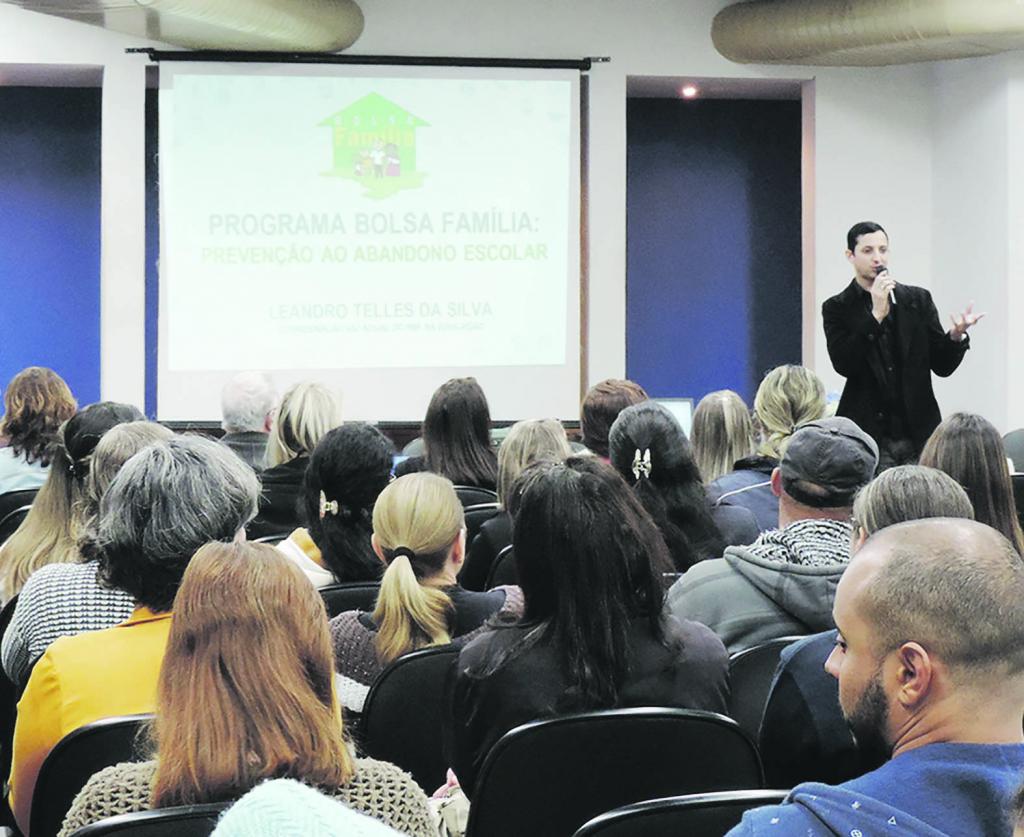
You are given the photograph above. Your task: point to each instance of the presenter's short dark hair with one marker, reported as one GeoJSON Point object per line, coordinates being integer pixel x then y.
{"type": "Point", "coordinates": [862, 228]}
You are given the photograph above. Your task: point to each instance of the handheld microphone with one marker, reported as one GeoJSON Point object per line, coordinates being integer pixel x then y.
{"type": "Point", "coordinates": [892, 294]}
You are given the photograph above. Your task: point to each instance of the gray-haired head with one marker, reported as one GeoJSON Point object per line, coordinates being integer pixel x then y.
{"type": "Point", "coordinates": [246, 401]}
{"type": "Point", "coordinates": [166, 502]}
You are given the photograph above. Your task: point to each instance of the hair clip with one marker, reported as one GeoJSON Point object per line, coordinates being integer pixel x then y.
{"type": "Point", "coordinates": [326, 506]}
{"type": "Point", "coordinates": [642, 464]}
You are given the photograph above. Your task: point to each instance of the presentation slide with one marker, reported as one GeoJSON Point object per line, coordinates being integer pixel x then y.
{"type": "Point", "coordinates": [375, 230]}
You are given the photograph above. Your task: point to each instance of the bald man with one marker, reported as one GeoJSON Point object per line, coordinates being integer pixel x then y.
{"type": "Point", "coordinates": [930, 663]}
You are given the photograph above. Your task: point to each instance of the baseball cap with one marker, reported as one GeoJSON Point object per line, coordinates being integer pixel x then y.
{"type": "Point", "coordinates": [833, 454]}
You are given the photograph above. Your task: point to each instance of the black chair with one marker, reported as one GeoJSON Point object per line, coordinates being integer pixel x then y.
{"type": "Point", "coordinates": [470, 495]}
{"type": "Point", "coordinates": [695, 815]}
{"type": "Point", "coordinates": [182, 821]}
{"type": "Point", "coordinates": [751, 672]}
{"type": "Point", "coordinates": [11, 521]}
{"type": "Point", "coordinates": [1018, 495]}
{"type": "Point", "coordinates": [76, 757]}
{"type": "Point", "coordinates": [403, 716]}
{"type": "Point", "coordinates": [476, 516]}
{"type": "Point", "coordinates": [355, 595]}
{"type": "Point", "coordinates": [273, 539]}
{"type": "Point", "coordinates": [11, 500]}
{"type": "Point", "coordinates": [567, 770]}
{"type": "Point", "coordinates": [503, 570]}
{"type": "Point", "coordinates": [9, 694]}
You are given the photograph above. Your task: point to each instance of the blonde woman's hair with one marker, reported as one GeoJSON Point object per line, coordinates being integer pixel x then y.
{"type": "Point", "coordinates": [527, 442]}
{"type": "Point", "coordinates": [246, 689]}
{"type": "Point", "coordinates": [722, 433]}
{"type": "Point", "coordinates": [416, 521]}
{"type": "Point", "coordinates": [788, 396]}
{"type": "Point", "coordinates": [46, 535]}
{"type": "Point", "coordinates": [307, 411]}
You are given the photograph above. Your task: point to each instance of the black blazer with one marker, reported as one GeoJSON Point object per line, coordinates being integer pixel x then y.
{"type": "Point", "coordinates": [924, 347]}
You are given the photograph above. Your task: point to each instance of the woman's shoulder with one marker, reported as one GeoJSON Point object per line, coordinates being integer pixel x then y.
{"type": "Point", "coordinates": [384, 791]}
{"type": "Point", "coordinates": [120, 789]}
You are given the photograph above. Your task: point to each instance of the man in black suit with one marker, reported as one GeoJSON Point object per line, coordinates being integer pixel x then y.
{"type": "Point", "coordinates": [885, 338]}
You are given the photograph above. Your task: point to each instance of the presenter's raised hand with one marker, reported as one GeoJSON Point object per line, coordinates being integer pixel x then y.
{"type": "Point", "coordinates": [963, 322]}
{"type": "Point", "coordinates": [881, 290]}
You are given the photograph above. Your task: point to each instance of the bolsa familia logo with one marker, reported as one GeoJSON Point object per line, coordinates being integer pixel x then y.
{"type": "Point", "coordinates": [374, 144]}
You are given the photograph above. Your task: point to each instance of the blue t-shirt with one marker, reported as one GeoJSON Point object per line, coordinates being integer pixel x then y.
{"type": "Point", "coordinates": [935, 790]}
{"type": "Point", "coordinates": [16, 474]}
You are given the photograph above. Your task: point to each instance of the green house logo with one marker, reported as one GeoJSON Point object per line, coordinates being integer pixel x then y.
{"type": "Point", "coordinates": [374, 144]}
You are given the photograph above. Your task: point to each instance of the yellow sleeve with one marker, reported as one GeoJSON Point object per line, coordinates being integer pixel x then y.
{"type": "Point", "coordinates": [38, 728]}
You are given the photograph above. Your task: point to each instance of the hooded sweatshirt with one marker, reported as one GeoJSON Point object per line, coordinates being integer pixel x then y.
{"type": "Point", "coordinates": [959, 790]}
{"type": "Point", "coordinates": [781, 585]}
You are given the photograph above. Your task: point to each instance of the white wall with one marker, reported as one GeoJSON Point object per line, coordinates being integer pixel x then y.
{"type": "Point", "coordinates": [873, 146]}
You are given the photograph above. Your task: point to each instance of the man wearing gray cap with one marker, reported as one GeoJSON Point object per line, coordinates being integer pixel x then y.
{"type": "Point", "coordinates": [784, 583]}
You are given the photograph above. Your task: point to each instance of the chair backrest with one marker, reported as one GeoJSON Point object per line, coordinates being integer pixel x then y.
{"type": "Point", "coordinates": [566, 770]}
{"type": "Point", "coordinates": [403, 717]}
{"type": "Point", "coordinates": [76, 757]}
{"type": "Point", "coordinates": [695, 815]}
{"type": "Point", "coordinates": [355, 595]}
{"type": "Point", "coordinates": [12, 520]}
{"type": "Point", "coordinates": [1018, 495]}
{"type": "Point", "coordinates": [9, 693]}
{"type": "Point", "coordinates": [11, 500]}
{"type": "Point", "coordinates": [471, 495]}
{"type": "Point", "coordinates": [503, 570]}
{"type": "Point", "coordinates": [182, 821]}
{"type": "Point", "coordinates": [476, 516]}
{"type": "Point", "coordinates": [751, 672]}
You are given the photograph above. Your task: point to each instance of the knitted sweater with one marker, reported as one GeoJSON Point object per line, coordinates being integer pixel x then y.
{"type": "Point", "coordinates": [353, 634]}
{"type": "Point", "coordinates": [286, 808]}
{"type": "Point", "coordinates": [58, 600]}
{"type": "Point", "coordinates": [378, 788]}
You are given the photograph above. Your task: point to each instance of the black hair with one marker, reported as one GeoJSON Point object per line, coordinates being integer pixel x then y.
{"type": "Point", "coordinates": [85, 428]}
{"type": "Point", "coordinates": [859, 229]}
{"type": "Point", "coordinates": [457, 434]}
{"type": "Point", "coordinates": [671, 489]}
{"type": "Point", "coordinates": [590, 562]}
{"type": "Point", "coordinates": [351, 465]}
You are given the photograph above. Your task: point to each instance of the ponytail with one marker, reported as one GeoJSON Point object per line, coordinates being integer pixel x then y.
{"type": "Point", "coordinates": [409, 615]}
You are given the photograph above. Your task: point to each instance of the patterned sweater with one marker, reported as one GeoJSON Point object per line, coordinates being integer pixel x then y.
{"type": "Point", "coordinates": [353, 634]}
{"type": "Point", "coordinates": [58, 600]}
{"type": "Point", "coordinates": [378, 789]}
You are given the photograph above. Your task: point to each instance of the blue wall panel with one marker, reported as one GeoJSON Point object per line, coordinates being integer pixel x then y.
{"type": "Point", "coordinates": [50, 234]}
{"type": "Point", "coordinates": [713, 244]}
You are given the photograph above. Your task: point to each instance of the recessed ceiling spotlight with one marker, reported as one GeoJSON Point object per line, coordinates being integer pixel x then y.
{"type": "Point", "coordinates": [689, 92]}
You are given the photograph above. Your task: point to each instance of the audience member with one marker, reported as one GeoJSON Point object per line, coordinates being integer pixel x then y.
{"type": "Point", "coordinates": [722, 434]}
{"type": "Point", "coordinates": [247, 406]}
{"type": "Point", "coordinates": [67, 598]}
{"type": "Point", "coordinates": [601, 406]}
{"type": "Point", "coordinates": [165, 502]}
{"type": "Point", "coordinates": [245, 694]}
{"type": "Point", "coordinates": [784, 583]}
{"type": "Point", "coordinates": [527, 442]}
{"type": "Point", "coordinates": [1013, 444]}
{"type": "Point", "coordinates": [803, 734]}
{"type": "Point", "coordinates": [457, 436]}
{"type": "Point", "coordinates": [36, 403]}
{"type": "Point", "coordinates": [284, 806]}
{"type": "Point", "coordinates": [930, 664]}
{"type": "Point", "coordinates": [418, 533]}
{"type": "Point", "coordinates": [350, 466]}
{"type": "Point", "coordinates": [650, 450]}
{"type": "Point", "coordinates": [787, 397]}
{"type": "Point", "coordinates": [50, 531]}
{"type": "Point", "coordinates": [594, 634]}
{"type": "Point", "coordinates": [307, 411]}
{"type": "Point", "coordinates": [970, 450]}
